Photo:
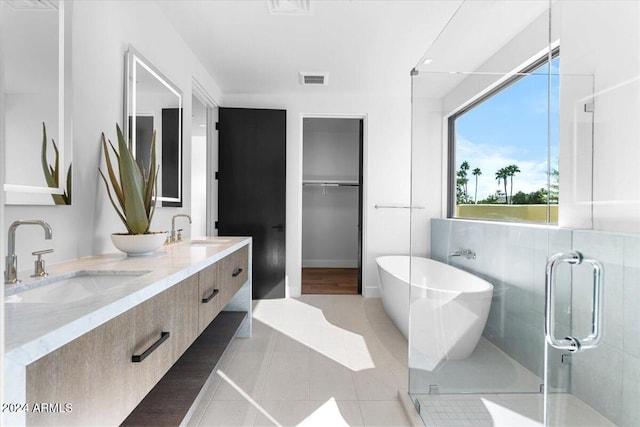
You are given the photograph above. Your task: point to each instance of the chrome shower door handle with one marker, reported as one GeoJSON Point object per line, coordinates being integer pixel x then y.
{"type": "Point", "coordinates": [570, 343]}
{"type": "Point", "coordinates": [593, 339]}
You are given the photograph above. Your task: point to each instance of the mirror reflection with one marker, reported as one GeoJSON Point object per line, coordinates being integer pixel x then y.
{"type": "Point", "coordinates": [38, 156]}
{"type": "Point", "coordinates": [155, 104]}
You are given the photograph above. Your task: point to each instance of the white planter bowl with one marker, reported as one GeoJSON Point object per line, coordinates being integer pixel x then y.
{"type": "Point", "coordinates": [138, 244]}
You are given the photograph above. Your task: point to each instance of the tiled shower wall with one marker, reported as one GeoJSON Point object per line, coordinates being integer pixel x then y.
{"type": "Point", "coordinates": [513, 258]}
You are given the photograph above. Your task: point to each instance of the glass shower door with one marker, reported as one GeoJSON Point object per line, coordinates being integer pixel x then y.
{"type": "Point", "coordinates": [561, 344]}
{"type": "Point", "coordinates": [597, 345]}
{"type": "Point", "coordinates": [556, 350]}
{"type": "Point", "coordinates": [499, 379]}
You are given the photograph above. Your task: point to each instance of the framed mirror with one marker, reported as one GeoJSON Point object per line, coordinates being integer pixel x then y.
{"type": "Point", "coordinates": [153, 102]}
{"type": "Point", "coordinates": [35, 94]}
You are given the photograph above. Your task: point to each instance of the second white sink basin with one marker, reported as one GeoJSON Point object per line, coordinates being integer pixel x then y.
{"type": "Point", "coordinates": [212, 242]}
{"type": "Point", "coordinates": [71, 287]}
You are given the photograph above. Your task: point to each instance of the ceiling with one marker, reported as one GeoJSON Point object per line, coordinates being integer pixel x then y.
{"type": "Point", "coordinates": [367, 47]}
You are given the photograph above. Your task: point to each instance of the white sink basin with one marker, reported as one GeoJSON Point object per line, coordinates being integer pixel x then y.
{"type": "Point", "coordinates": [71, 287]}
{"type": "Point", "coordinates": [209, 242]}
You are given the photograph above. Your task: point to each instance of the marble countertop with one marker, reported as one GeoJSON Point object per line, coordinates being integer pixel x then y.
{"type": "Point", "coordinates": [34, 329]}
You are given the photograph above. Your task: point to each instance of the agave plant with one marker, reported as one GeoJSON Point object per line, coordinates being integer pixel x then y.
{"type": "Point", "coordinates": [135, 187]}
{"type": "Point", "coordinates": [52, 172]}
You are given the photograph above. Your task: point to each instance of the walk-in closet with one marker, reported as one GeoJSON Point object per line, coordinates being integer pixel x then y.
{"type": "Point", "coordinates": [332, 205]}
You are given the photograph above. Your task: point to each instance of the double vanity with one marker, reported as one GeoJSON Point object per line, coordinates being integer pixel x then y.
{"type": "Point", "coordinates": [87, 343]}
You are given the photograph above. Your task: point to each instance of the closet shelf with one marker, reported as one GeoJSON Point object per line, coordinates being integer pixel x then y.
{"type": "Point", "coordinates": [331, 182]}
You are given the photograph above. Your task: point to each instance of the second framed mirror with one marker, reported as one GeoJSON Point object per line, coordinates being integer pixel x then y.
{"type": "Point", "coordinates": [154, 103]}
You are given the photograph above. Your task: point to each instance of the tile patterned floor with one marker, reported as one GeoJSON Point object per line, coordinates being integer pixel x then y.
{"type": "Point", "coordinates": [324, 360]}
{"type": "Point", "coordinates": [507, 410]}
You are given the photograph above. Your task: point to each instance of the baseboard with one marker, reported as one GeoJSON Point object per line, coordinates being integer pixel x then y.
{"type": "Point", "coordinates": [371, 292]}
{"type": "Point", "coordinates": [329, 263]}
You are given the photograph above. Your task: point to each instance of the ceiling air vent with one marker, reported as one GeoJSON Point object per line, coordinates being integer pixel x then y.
{"type": "Point", "coordinates": [289, 7]}
{"type": "Point", "coordinates": [314, 79]}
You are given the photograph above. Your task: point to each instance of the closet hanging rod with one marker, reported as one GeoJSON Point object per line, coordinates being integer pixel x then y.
{"type": "Point", "coordinates": [329, 184]}
{"type": "Point", "coordinates": [397, 207]}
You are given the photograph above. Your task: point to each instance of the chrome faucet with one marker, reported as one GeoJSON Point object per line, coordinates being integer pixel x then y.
{"type": "Point", "coordinates": [173, 227]}
{"type": "Point", "coordinates": [11, 267]}
{"type": "Point", "coordinates": [465, 253]}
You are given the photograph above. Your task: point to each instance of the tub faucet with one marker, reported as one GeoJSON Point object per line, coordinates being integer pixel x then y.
{"type": "Point", "coordinates": [11, 268]}
{"type": "Point", "coordinates": [173, 238]}
{"type": "Point", "coordinates": [465, 253]}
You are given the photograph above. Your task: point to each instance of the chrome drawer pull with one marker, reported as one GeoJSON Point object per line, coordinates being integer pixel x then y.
{"type": "Point", "coordinates": [210, 297]}
{"type": "Point", "coordinates": [136, 358]}
{"type": "Point", "coordinates": [237, 272]}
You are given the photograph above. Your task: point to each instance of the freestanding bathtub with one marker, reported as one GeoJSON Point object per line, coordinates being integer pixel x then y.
{"type": "Point", "coordinates": [445, 312]}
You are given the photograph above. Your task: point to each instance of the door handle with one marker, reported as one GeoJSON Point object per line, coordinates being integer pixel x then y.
{"type": "Point", "coordinates": [570, 343]}
{"type": "Point", "coordinates": [278, 227]}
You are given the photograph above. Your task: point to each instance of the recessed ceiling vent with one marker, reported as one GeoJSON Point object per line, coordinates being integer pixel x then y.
{"type": "Point", "coordinates": [289, 7]}
{"type": "Point", "coordinates": [32, 4]}
{"type": "Point", "coordinates": [314, 79]}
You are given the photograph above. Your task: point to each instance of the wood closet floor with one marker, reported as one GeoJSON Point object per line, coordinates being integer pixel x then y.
{"type": "Point", "coordinates": [337, 281]}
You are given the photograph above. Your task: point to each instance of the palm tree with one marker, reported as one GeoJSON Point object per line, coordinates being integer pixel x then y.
{"type": "Point", "coordinates": [511, 171]}
{"type": "Point", "coordinates": [464, 167]}
{"type": "Point", "coordinates": [476, 172]}
{"type": "Point", "coordinates": [502, 174]}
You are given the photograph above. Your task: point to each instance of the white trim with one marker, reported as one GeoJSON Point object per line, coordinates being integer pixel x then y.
{"type": "Point", "coordinates": [31, 189]}
{"type": "Point", "coordinates": [211, 106]}
{"type": "Point", "coordinates": [371, 292]}
{"type": "Point", "coordinates": [198, 90]}
{"type": "Point", "coordinates": [365, 154]}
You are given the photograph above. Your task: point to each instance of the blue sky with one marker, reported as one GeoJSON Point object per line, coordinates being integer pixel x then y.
{"type": "Point", "coordinates": [511, 128]}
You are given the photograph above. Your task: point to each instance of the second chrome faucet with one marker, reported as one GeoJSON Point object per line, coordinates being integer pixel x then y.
{"type": "Point", "coordinates": [176, 238]}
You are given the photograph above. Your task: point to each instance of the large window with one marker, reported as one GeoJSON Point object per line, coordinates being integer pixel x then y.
{"type": "Point", "coordinates": [504, 150]}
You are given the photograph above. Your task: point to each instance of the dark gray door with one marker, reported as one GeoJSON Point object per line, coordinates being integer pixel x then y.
{"type": "Point", "coordinates": [251, 190]}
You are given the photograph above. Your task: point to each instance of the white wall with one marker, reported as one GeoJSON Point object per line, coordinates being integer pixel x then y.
{"type": "Point", "coordinates": [102, 31]}
{"type": "Point", "coordinates": [386, 171]}
{"type": "Point", "coordinates": [428, 197]}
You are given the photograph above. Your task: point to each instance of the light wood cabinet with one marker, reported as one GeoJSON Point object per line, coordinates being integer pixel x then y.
{"type": "Point", "coordinates": [233, 272]}
{"type": "Point", "coordinates": [218, 283]}
{"type": "Point", "coordinates": [209, 296]}
{"type": "Point", "coordinates": [95, 373]}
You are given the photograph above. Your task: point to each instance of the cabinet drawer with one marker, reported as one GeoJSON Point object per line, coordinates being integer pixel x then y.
{"type": "Point", "coordinates": [95, 373]}
{"type": "Point", "coordinates": [170, 311]}
{"type": "Point", "coordinates": [208, 297]}
{"type": "Point", "coordinates": [233, 272]}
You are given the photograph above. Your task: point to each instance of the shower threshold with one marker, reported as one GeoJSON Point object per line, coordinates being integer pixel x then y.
{"type": "Point", "coordinates": [490, 388]}
{"type": "Point", "coordinates": [505, 410]}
